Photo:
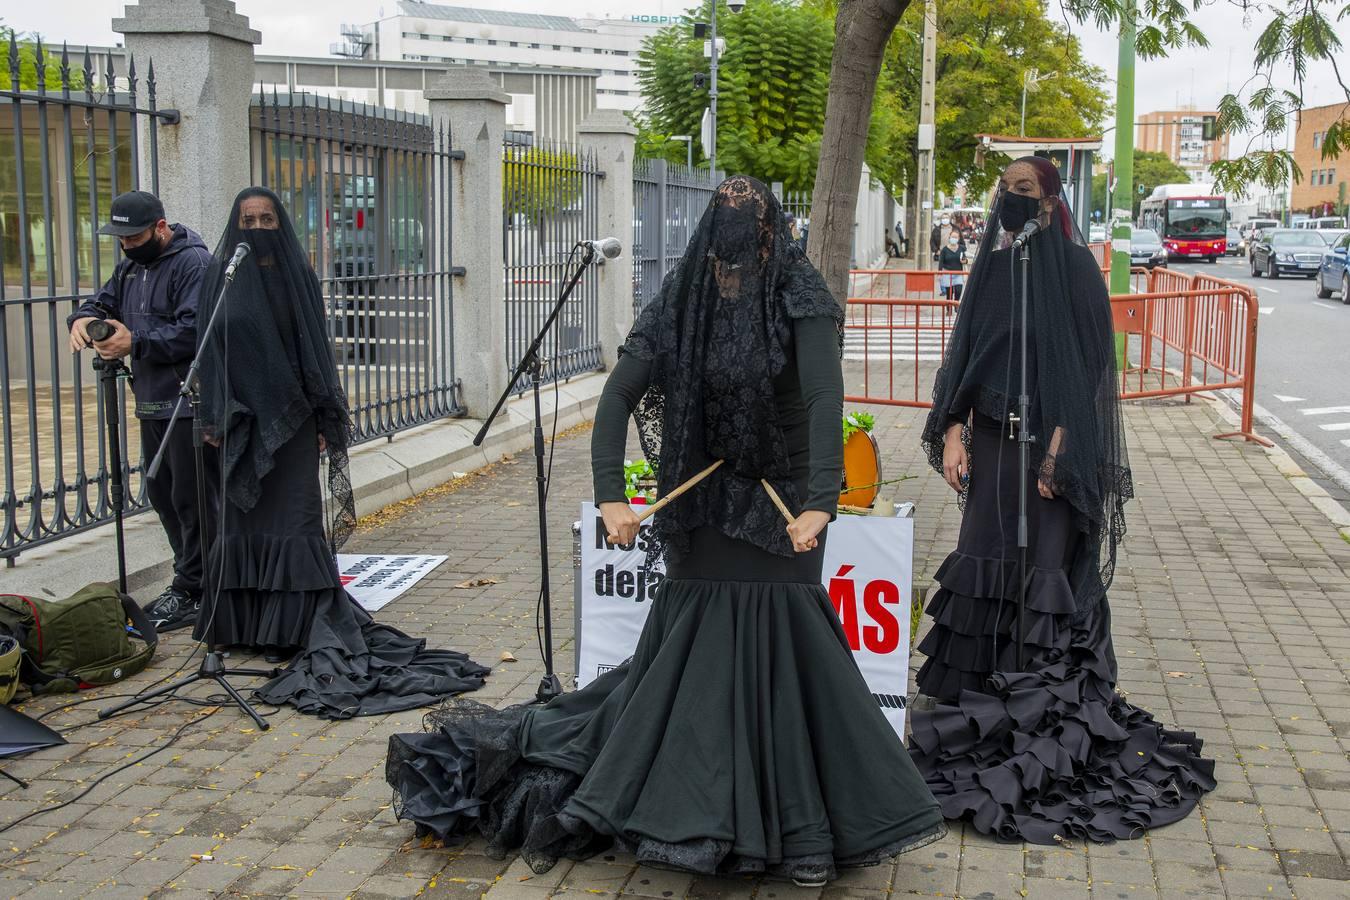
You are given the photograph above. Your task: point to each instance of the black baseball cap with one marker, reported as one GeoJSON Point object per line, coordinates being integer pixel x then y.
{"type": "Point", "coordinates": [132, 213]}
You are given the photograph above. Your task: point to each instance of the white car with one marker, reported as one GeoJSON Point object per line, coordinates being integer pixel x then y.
{"type": "Point", "coordinates": [1097, 234]}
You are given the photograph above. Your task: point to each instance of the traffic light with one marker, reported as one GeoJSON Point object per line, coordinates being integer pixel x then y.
{"type": "Point", "coordinates": [1210, 128]}
{"type": "Point", "coordinates": [701, 81]}
{"type": "Point", "coordinates": [700, 30]}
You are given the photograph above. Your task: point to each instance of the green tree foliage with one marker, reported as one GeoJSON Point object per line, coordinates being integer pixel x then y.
{"type": "Point", "coordinates": [984, 47]}
{"type": "Point", "coordinates": [773, 77]}
{"type": "Point", "coordinates": [539, 182]}
{"type": "Point", "coordinates": [26, 48]}
{"type": "Point", "coordinates": [1150, 170]}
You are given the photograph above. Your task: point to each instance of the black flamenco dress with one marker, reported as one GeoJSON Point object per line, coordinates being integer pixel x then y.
{"type": "Point", "coordinates": [739, 738]}
{"type": "Point", "coordinates": [270, 395]}
{"type": "Point", "coordinates": [1050, 751]}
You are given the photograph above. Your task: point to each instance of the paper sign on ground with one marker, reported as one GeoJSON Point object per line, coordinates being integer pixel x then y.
{"type": "Point", "coordinates": [375, 580]}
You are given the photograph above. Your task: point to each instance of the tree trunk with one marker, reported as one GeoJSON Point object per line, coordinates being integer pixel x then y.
{"type": "Point", "coordinates": [861, 31]}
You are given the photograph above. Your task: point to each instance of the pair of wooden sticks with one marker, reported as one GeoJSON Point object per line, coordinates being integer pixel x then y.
{"type": "Point", "coordinates": [660, 504]}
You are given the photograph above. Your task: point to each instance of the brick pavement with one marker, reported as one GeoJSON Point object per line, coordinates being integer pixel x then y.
{"type": "Point", "coordinates": [1229, 610]}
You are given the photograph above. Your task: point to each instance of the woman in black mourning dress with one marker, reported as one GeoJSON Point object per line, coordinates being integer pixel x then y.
{"type": "Point", "coordinates": [1050, 751]}
{"type": "Point", "coordinates": [272, 402]}
{"type": "Point", "coordinates": [740, 737]}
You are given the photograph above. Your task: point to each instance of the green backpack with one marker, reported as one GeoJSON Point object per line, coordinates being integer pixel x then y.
{"type": "Point", "coordinates": [79, 642]}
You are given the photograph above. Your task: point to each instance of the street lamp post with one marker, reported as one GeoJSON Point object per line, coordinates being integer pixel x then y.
{"type": "Point", "coordinates": [1031, 80]}
{"type": "Point", "coordinates": [735, 6]}
{"type": "Point", "coordinates": [688, 141]}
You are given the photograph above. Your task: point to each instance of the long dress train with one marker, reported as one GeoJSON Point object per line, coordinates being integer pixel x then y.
{"type": "Point", "coordinates": [280, 588]}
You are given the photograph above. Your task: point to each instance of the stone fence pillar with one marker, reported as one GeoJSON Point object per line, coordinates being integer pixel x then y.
{"type": "Point", "coordinates": [202, 51]}
{"type": "Point", "coordinates": [473, 107]}
{"type": "Point", "coordinates": [611, 139]}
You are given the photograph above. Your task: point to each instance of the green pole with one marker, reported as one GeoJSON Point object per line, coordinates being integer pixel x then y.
{"type": "Point", "coordinates": [1122, 199]}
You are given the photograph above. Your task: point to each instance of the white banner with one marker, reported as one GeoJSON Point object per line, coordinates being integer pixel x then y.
{"type": "Point", "coordinates": [868, 572]}
{"type": "Point", "coordinates": [375, 580]}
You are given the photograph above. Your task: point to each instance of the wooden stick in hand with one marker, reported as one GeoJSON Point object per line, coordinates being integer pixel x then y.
{"type": "Point", "coordinates": [660, 504]}
{"type": "Point", "coordinates": [778, 502]}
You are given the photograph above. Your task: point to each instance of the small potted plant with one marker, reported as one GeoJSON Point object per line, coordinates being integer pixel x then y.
{"type": "Point", "coordinates": [639, 482]}
{"type": "Point", "coordinates": [862, 462]}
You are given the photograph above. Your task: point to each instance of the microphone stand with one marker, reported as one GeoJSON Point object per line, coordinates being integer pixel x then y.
{"type": "Point", "coordinates": [212, 666]}
{"type": "Point", "coordinates": [1022, 420]}
{"type": "Point", "coordinates": [532, 364]}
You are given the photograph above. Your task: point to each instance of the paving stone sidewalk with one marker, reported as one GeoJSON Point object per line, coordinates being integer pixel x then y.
{"type": "Point", "coordinates": [1230, 616]}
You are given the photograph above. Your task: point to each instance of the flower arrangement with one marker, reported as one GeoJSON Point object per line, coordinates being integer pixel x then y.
{"type": "Point", "coordinates": [639, 481]}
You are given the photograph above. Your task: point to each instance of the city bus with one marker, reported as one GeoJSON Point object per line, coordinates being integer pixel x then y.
{"type": "Point", "coordinates": [1191, 220]}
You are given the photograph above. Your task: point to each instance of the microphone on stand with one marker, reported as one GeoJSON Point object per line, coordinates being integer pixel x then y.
{"type": "Point", "coordinates": [607, 247]}
{"type": "Point", "coordinates": [239, 253]}
{"type": "Point", "coordinates": [1032, 227]}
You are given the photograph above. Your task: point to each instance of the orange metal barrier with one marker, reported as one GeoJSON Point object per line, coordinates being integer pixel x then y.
{"type": "Point", "coordinates": [1182, 334]}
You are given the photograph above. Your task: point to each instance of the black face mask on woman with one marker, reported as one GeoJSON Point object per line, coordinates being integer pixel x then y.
{"type": "Point", "coordinates": [1017, 210]}
{"type": "Point", "coordinates": [266, 243]}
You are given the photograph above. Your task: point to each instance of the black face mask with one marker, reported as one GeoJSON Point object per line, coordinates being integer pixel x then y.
{"type": "Point", "coordinates": [266, 244]}
{"type": "Point", "coordinates": [1017, 210]}
{"type": "Point", "coordinates": [145, 253]}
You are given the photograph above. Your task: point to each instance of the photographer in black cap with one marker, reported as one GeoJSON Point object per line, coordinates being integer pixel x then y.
{"type": "Point", "coordinates": [151, 303]}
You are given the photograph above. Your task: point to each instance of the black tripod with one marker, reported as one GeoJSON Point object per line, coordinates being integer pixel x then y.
{"type": "Point", "coordinates": [212, 666]}
{"type": "Point", "coordinates": [109, 370]}
{"type": "Point", "coordinates": [532, 364]}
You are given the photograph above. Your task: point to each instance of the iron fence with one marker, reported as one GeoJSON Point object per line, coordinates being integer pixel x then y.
{"type": "Point", "coordinates": [550, 203]}
{"type": "Point", "coordinates": [668, 200]}
{"type": "Point", "coordinates": [73, 143]}
{"type": "Point", "coordinates": [368, 191]}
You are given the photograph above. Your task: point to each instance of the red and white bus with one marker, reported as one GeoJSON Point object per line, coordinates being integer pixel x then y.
{"type": "Point", "coordinates": [1191, 220]}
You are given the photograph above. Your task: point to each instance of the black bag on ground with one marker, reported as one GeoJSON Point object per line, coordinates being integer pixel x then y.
{"type": "Point", "coordinates": [79, 642]}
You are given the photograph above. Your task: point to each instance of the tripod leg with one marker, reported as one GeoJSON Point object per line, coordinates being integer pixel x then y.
{"type": "Point", "coordinates": [243, 704]}
{"type": "Point", "coordinates": [158, 692]}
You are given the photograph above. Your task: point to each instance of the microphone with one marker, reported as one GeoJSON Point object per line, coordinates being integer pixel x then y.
{"type": "Point", "coordinates": [1032, 227]}
{"type": "Point", "coordinates": [99, 330]}
{"type": "Point", "coordinates": [239, 253]}
{"type": "Point", "coordinates": [607, 247]}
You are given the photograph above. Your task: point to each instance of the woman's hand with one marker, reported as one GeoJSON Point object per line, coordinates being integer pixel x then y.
{"type": "Point", "coordinates": [323, 444]}
{"type": "Point", "coordinates": [621, 523]}
{"type": "Point", "coordinates": [805, 529]}
{"type": "Point", "coordinates": [955, 462]}
{"type": "Point", "coordinates": [1044, 482]}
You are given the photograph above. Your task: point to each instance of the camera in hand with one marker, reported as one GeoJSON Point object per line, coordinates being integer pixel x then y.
{"type": "Point", "coordinates": [99, 330]}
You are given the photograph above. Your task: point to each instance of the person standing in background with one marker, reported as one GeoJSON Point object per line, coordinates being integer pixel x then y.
{"type": "Point", "coordinates": [151, 302]}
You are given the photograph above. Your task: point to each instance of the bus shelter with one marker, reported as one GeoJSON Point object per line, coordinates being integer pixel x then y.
{"type": "Point", "coordinates": [1072, 156]}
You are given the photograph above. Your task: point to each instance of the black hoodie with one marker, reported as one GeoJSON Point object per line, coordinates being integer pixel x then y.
{"type": "Point", "coordinates": [158, 303]}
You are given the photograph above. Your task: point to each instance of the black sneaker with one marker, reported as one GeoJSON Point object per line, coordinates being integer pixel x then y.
{"type": "Point", "coordinates": [173, 609]}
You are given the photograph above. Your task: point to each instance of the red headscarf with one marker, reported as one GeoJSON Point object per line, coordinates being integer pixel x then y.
{"type": "Point", "coordinates": [1051, 186]}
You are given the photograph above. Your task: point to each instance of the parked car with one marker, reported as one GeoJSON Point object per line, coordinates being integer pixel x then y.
{"type": "Point", "coordinates": [1146, 248]}
{"type": "Point", "coordinates": [1333, 274]}
{"type": "Point", "coordinates": [1287, 251]}
{"type": "Point", "coordinates": [1235, 242]}
{"type": "Point", "coordinates": [1097, 234]}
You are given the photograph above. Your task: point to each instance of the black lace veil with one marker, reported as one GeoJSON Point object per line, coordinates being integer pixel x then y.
{"type": "Point", "coordinates": [717, 335]}
{"type": "Point", "coordinates": [268, 365]}
{"type": "Point", "coordinates": [1075, 402]}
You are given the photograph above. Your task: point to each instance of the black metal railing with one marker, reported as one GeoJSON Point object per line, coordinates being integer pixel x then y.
{"type": "Point", "coordinates": [73, 142]}
{"type": "Point", "coordinates": [369, 191]}
{"type": "Point", "coordinates": [550, 203]}
{"type": "Point", "coordinates": [668, 201]}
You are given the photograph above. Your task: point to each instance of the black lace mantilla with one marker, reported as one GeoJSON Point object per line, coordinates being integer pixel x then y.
{"type": "Point", "coordinates": [717, 335]}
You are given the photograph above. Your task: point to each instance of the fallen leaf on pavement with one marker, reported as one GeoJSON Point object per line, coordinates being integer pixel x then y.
{"type": "Point", "coordinates": [477, 582]}
{"type": "Point", "coordinates": [507, 656]}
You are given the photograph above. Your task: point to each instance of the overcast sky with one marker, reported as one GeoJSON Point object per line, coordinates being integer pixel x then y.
{"type": "Point", "coordinates": [307, 27]}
